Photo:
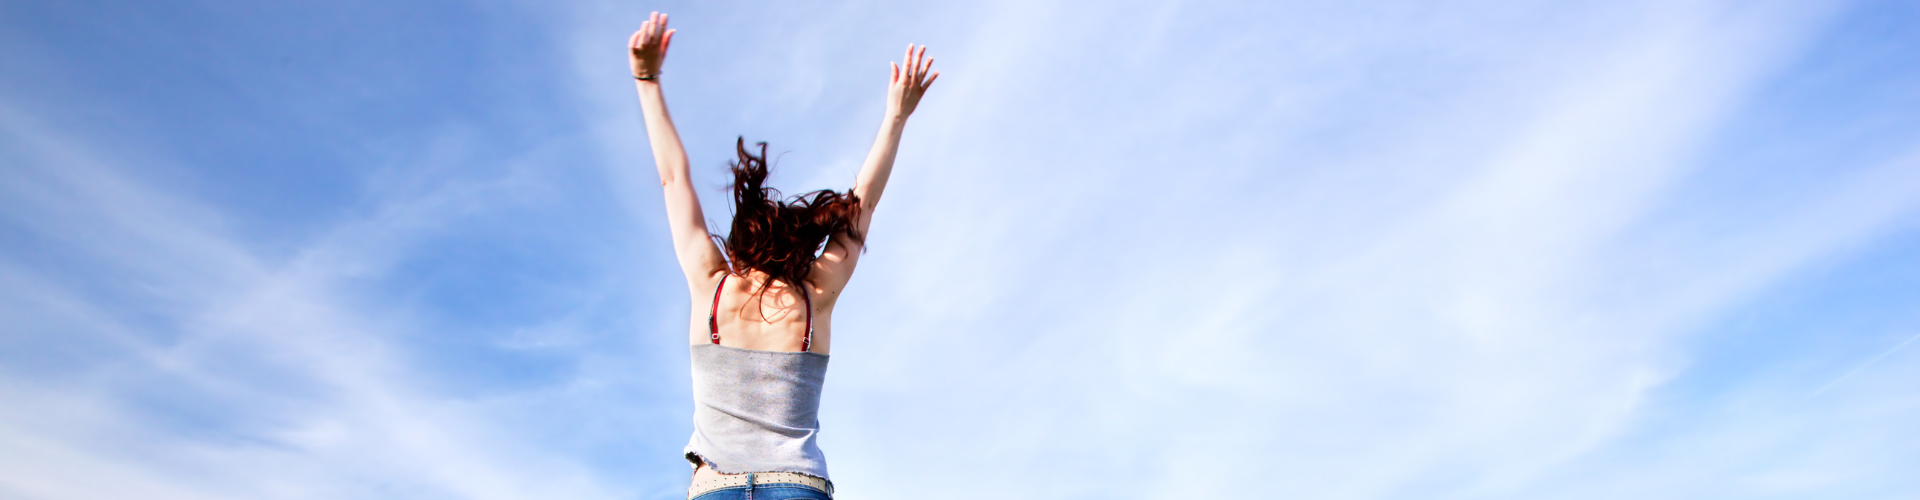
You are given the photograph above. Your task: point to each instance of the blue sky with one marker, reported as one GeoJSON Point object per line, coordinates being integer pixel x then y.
{"type": "Point", "coordinates": [1621, 249]}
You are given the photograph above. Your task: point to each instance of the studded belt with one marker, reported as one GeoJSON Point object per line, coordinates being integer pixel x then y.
{"type": "Point", "coordinates": [757, 479]}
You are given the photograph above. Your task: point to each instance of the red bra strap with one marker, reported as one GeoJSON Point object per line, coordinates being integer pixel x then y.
{"type": "Point", "coordinates": [807, 345]}
{"type": "Point", "coordinates": [713, 318]}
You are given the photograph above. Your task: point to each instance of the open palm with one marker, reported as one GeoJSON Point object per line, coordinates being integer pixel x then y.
{"type": "Point", "coordinates": [911, 82]}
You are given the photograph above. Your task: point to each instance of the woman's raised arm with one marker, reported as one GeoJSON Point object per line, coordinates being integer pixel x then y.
{"type": "Point", "coordinates": [909, 82]}
{"type": "Point", "coordinates": [903, 95]}
{"type": "Point", "coordinates": [699, 258]}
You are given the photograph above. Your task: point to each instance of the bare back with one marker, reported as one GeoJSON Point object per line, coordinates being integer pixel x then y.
{"type": "Point", "coordinates": [773, 320]}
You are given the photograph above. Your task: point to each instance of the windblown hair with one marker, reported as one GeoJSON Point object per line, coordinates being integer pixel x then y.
{"type": "Point", "coordinates": [781, 237]}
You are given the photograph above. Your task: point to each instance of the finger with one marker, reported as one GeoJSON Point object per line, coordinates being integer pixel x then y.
{"type": "Point", "coordinates": [925, 67]}
{"type": "Point", "coordinates": [896, 72]}
{"type": "Point", "coordinates": [665, 41]}
{"type": "Point", "coordinates": [633, 42]}
{"type": "Point", "coordinates": [646, 32]}
{"type": "Point", "coordinates": [908, 57]}
{"type": "Point", "coordinates": [930, 79]}
{"type": "Point", "coordinates": [662, 25]}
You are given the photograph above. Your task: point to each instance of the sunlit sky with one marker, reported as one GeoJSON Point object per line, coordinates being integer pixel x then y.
{"type": "Point", "coordinates": [1287, 249]}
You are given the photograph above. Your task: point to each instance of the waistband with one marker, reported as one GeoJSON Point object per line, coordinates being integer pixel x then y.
{"type": "Point", "coordinates": [759, 478]}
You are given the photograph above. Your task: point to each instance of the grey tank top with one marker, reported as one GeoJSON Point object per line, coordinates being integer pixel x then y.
{"type": "Point", "coordinates": [756, 411]}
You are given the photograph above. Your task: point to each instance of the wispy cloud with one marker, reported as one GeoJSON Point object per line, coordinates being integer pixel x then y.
{"type": "Point", "coordinates": [216, 373]}
{"type": "Point", "coordinates": [1862, 366]}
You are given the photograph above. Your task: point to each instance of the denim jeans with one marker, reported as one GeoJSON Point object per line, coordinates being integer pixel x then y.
{"type": "Point", "coordinates": [774, 491]}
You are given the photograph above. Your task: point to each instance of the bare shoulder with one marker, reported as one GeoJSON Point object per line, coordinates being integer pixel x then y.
{"type": "Point", "coordinates": [824, 295]}
{"type": "Point", "coordinates": [833, 269]}
{"type": "Point", "coordinates": [702, 287]}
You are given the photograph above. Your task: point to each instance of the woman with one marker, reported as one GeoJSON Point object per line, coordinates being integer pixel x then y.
{"type": "Point", "coordinates": [761, 324]}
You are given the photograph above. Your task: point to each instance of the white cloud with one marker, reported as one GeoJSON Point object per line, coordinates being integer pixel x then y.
{"type": "Point", "coordinates": [248, 378]}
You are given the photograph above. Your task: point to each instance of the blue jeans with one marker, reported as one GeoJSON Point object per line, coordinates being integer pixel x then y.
{"type": "Point", "coordinates": [775, 491]}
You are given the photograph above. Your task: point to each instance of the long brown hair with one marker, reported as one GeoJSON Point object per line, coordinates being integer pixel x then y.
{"type": "Point", "coordinates": [781, 237]}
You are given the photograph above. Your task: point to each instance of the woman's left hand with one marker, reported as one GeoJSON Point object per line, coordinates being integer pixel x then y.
{"type": "Point", "coordinates": [647, 48]}
{"type": "Point", "coordinates": [903, 93]}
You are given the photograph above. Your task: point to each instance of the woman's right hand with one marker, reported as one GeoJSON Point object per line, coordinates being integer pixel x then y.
{"type": "Point", "coordinates": [647, 48]}
{"type": "Point", "coordinates": [903, 93]}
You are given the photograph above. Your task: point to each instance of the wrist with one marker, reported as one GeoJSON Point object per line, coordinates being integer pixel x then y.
{"type": "Point", "coordinates": [643, 73]}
